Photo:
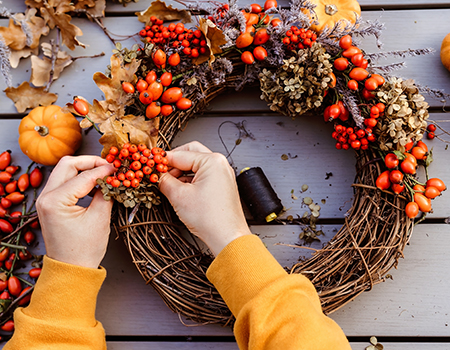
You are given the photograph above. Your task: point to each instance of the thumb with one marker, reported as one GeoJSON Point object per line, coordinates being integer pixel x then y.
{"type": "Point", "coordinates": [99, 206]}
{"type": "Point", "coordinates": [170, 186]}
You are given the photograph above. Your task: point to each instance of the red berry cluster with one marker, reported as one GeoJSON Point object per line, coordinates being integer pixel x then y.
{"type": "Point", "coordinates": [431, 128]}
{"type": "Point", "coordinates": [15, 289]}
{"type": "Point", "coordinates": [355, 138]}
{"type": "Point", "coordinates": [190, 42]}
{"type": "Point", "coordinates": [155, 93]}
{"type": "Point", "coordinates": [299, 38]}
{"type": "Point", "coordinates": [220, 14]}
{"type": "Point", "coordinates": [136, 164]}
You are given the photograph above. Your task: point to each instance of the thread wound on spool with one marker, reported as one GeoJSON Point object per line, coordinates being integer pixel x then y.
{"type": "Point", "coordinates": [258, 195]}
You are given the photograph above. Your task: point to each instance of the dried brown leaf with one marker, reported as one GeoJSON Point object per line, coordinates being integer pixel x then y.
{"type": "Point", "coordinates": [13, 36]}
{"type": "Point", "coordinates": [69, 32]}
{"type": "Point", "coordinates": [16, 55]}
{"type": "Point", "coordinates": [25, 96]}
{"type": "Point", "coordinates": [130, 128]}
{"type": "Point", "coordinates": [41, 68]}
{"type": "Point", "coordinates": [36, 25]}
{"type": "Point", "coordinates": [95, 8]}
{"type": "Point", "coordinates": [214, 39]}
{"type": "Point", "coordinates": [162, 11]}
{"type": "Point", "coordinates": [97, 113]}
{"type": "Point", "coordinates": [116, 98]}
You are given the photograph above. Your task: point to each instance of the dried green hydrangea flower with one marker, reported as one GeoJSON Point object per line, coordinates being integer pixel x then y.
{"type": "Point", "coordinates": [405, 114]}
{"type": "Point", "coordinates": [299, 84]}
{"type": "Point", "coordinates": [128, 196]}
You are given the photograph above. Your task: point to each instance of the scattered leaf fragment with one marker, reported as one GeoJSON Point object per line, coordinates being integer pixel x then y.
{"type": "Point", "coordinates": [307, 200]}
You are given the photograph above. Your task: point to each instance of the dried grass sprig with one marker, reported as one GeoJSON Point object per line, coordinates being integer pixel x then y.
{"type": "Point", "coordinates": [351, 102]}
{"type": "Point", "coordinates": [5, 65]}
{"type": "Point", "coordinates": [386, 68]}
{"type": "Point", "coordinates": [400, 53]}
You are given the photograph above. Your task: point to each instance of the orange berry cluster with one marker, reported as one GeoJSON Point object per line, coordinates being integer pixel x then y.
{"type": "Point", "coordinates": [135, 164]}
{"type": "Point", "coordinates": [153, 96]}
{"type": "Point", "coordinates": [299, 38]}
{"type": "Point", "coordinates": [398, 177]}
{"type": "Point", "coordinates": [190, 42]}
{"type": "Point", "coordinates": [255, 33]}
{"type": "Point", "coordinates": [352, 63]}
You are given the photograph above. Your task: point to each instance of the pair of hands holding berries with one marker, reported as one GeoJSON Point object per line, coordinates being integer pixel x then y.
{"type": "Point", "coordinates": [207, 203]}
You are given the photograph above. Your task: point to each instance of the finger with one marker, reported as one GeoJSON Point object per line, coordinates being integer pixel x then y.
{"type": "Point", "coordinates": [170, 186]}
{"type": "Point", "coordinates": [193, 146]}
{"type": "Point", "coordinates": [187, 160]}
{"type": "Point", "coordinates": [100, 207]}
{"type": "Point", "coordinates": [68, 167]}
{"type": "Point", "coordinates": [82, 184]}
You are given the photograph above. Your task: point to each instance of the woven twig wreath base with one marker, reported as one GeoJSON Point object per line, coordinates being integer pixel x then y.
{"type": "Point", "coordinates": [368, 245]}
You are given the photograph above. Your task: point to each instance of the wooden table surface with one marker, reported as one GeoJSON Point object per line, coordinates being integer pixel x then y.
{"type": "Point", "coordinates": [409, 311]}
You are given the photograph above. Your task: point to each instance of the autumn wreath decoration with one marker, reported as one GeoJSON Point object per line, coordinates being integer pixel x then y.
{"type": "Point", "coordinates": [305, 59]}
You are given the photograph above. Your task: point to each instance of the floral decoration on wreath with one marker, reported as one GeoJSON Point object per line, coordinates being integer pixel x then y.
{"type": "Point", "coordinates": [305, 59]}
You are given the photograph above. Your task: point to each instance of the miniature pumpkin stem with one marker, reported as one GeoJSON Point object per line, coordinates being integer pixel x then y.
{"type": "Point", "coordinates": [331, 10]}
{"type": "Point", "coordinates": [41, 129]}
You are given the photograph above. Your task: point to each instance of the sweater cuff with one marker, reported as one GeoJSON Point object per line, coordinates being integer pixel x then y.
{"type": "Point", "coordinates": [67, 293]}
{"type": "Point", "coordinates": [242, 269]}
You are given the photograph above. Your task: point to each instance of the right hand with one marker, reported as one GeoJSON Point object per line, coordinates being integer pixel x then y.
{"type": "Point", "coordinates": [207, 203]}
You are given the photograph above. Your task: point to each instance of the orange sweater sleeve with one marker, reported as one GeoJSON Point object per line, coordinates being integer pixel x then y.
{"type": "Point", "coordinates": [273, 310]}
{"type": "Point", "coordinates": [61, 313]}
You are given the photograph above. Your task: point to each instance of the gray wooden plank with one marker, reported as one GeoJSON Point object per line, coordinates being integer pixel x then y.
{"type": "Point", "coordinates": [415, 302]}
{"type": "Point", "coordinates": [227, 346]}
{"type": "Point", "coordinates": [427, 27]}
{"type": "Point", "coordinates": [130, 8]}
{"type": "Point", "coordinates": [170, 346]}
{"type": "Point", "coordinates": [405, 346]}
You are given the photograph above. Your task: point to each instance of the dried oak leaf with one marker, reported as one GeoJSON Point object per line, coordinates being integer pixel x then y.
{"type": "Point", "coordinates": [97, 113]}
{"type": "Point", "coordinates": [130, 128]}
{"type": "Point", "coordinates": [115, 97]}
{"type": "Point", "coordinates": [96, 8]}
{"type": "Point", "coordinates": [41, 68]}
{"type": "Point", "coordinates": [57, 17]}
{"type": "Point", "coordinates": [214, 39]}
{"type": "Point", "coordinates": [36, 25]}
{"type": "Point", "coordinates": [13, 36]}
{"type": "Point", "coordinates": [25, 96]}
{"type": "Point", "coordinates": [162, 11]}
{"type": "Point", "coordinates": [16, 55]}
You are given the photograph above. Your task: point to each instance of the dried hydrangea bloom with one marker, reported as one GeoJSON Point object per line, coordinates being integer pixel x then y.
{"type": "Point", "coordinates": [299, 84]}
{"type": "Point", "coordinates": [405, 114]}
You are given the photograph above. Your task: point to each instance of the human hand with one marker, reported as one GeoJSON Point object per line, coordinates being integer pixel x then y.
{"type": "Point", "coordinates": [207, 203]}
{"type": "Point", "coordinates": [74, 234]}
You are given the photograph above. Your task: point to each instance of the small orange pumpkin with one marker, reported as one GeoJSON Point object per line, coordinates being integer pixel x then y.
{"type": "Point", "coordinates": [47, 134]}
{"type": "Point", "coordinates": [330, 12]}
{"type": "Point", "coordinates": [445, 51]}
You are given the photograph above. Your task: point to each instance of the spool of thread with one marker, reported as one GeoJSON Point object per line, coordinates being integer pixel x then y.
{"type": "Point", "coordinates": [258, 194]}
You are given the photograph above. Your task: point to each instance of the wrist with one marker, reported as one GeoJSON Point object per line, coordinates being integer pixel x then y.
{"type": "Point", "coordinates": [217, 243]}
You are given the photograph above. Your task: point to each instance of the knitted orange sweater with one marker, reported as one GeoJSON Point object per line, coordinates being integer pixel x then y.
{"type": "Point", "coordinates": [273, 310]}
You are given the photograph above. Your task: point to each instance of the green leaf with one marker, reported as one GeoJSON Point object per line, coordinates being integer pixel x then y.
{"type": "Point", "coordinates": [429, 159]}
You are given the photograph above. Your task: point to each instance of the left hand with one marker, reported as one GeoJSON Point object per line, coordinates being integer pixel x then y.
{"type": "Point", "coordinates": [74, 234]}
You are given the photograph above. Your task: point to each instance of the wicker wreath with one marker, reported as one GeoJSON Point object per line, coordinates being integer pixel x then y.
{"type": "Point", "coordinates": [376, 228]}
{"type": "Point", "coordinates": [368, 245]}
